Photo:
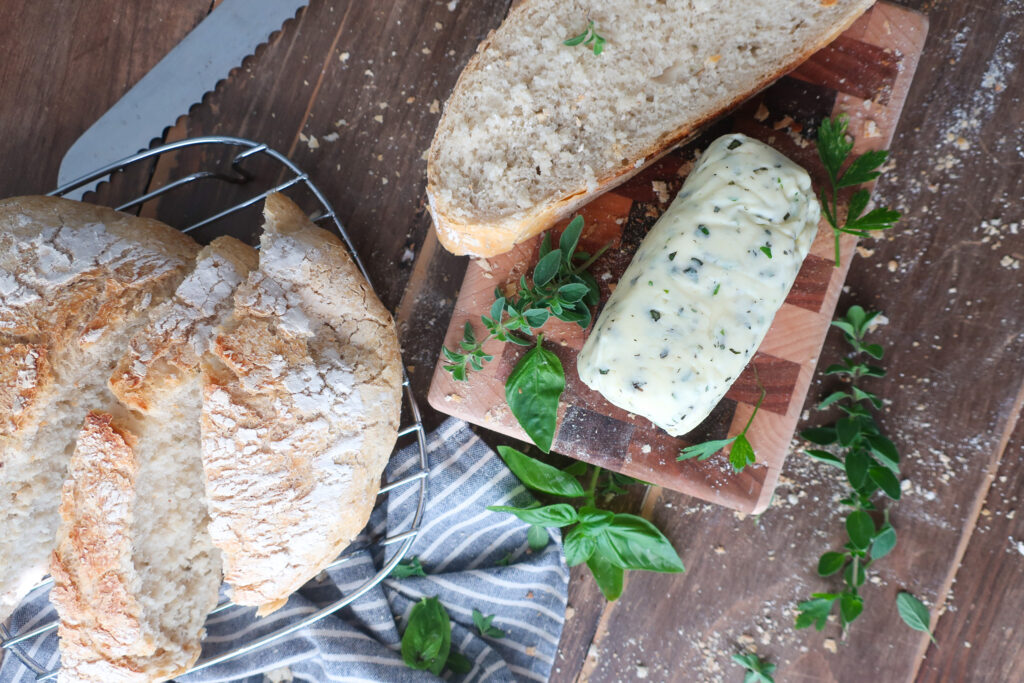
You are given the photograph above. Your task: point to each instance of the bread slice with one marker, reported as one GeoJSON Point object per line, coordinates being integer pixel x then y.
{"type": "Point", "coordinates": [534, 128]}
{"type": "Point", "coordinates": [302, 397]}
{"type": "Point", "coordinates": [135, 569]}
{"type": "Point", "coordinates": [76, 281]}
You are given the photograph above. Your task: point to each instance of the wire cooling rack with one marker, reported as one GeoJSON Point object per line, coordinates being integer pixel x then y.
{"type": "Point", "coordinates": [220, 162]}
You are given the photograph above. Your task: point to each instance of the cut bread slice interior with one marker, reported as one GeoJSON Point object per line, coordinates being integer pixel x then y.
{"type": "Point", "coordinates": [76, 281]}
{"type": "Point", "coordinates": [300, 412]}
{"type": "Point", "coordinates": [135, 570]}
{"type": "Point", "coordinates": [535, 128]}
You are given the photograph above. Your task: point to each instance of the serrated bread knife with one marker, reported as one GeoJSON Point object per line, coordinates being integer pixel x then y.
{"type": "Point", "coordinates": [229, 34]}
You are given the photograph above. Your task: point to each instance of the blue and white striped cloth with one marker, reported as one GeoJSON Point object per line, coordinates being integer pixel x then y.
{"type": "Point", "coordinates": [473, 559]}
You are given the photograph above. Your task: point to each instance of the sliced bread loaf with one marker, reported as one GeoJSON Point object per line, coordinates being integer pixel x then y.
{"type": "Point", "coordinates": [302, 394]}
{"type": "Point", "coordinates": [535, 128]}
{"type": "Point", "coordinates": [76, 281]}
{"type": "Point", "coordinates": [135, 569]}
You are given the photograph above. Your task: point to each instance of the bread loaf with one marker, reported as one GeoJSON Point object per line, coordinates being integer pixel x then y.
{"type": "Point", "coordinates": [300, 411]}
{"type": "Point", "coordinates": [135, 570]}
{"type": "Point", "coordinates": [534, 128]}
{"type": "Point", "coordinates": [76, 281]}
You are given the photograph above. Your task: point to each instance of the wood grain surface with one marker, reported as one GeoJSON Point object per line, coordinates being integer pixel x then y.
{"type": "Point", "coordinates": [867, 73]}
{"type": "Point", "coordinates": [949, 281]}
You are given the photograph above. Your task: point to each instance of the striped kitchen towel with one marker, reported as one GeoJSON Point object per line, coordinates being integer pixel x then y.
{"type": "Point", "coordinates": [473, 559]}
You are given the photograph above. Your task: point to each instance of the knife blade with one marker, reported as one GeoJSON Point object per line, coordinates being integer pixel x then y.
{"type": "Point", "coordinates": [229, 34]}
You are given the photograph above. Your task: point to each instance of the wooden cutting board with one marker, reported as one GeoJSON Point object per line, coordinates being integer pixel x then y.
{"type": "Point", "coordinates": [866, 73]}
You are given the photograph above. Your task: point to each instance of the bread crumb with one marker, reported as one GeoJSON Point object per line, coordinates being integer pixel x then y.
{"type": "Point", "coordinates": [830, 645]}
{"type": "Point", "coordinates": [719, 550]}
{"type": "Point", "coordinates": [378, 118]}
{"type": "Point", "coordinates": [435, 107]}
{"type": "Point", "coordinates": [425, 50]}
{"type": "Point", "coordinates": [871, 129]}
{"type": "Point", "coordinates": [331, 137]}
{"type": "Point", "coordinates": [783, 123]}
{"type": "Point", "coordinates": [893, 266]}
{"type": "Point", "coordinates": [762, 113]}
{"type": "Point", "coordinates": [865, 252]}
{"type": "Point", "coordinates": [410, 100]}
{"type": "Point", "coordinates": [343, 57]}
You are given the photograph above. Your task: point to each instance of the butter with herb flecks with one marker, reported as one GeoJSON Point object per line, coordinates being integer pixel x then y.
{"type": "Point", "coordinates": [704, 286]}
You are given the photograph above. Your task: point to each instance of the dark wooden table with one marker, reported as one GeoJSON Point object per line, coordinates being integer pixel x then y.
{"type": "Point", "coordinates": [949, 280]}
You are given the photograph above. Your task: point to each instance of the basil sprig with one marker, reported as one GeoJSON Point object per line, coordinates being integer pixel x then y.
{"type": "Point", "coordinates": [427, 640]}
{"type": "Point", "coordinates": [532, 392]}
{"type": "Point", "coordinates": [608, 542]}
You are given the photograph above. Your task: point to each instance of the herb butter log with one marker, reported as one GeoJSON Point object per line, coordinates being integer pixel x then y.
{"type": "Point", "coordinates": [704, 286]}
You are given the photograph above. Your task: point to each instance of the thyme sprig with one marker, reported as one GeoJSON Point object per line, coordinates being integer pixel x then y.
{"type": "Point", "coordinates": [740, 455]}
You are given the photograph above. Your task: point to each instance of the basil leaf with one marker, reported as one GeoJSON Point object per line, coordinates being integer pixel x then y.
{"type": "Point", "coordinates": [632, 542]}
{"type": "Point", "coordinates": [861, 528]}
{"type": "Point", "coordinates": [579, 546]}
{"type": "Point", "coordinates": [914, 613]}
{"type": "Point", "coordinates": [428, 636]}
{"type": "Point", "coordinates": [823, 436]}
{"type": "Point", "coordinates": [570, 237]}
{"type": "Point", "coordinates": [595, 519]}
{"type": "Point", "coordinates": [458, 664]}
{"type": "Point", "coordinates": [558, 515]}
{"type": "Point", "coordinates": [540, 476]}
{"type": "Point", "coordinates": [547, 267]}
{"type": "Point", "coordinates": [538, 538]}
{"type": "Point", "coordinates": [532, 392]}
{"type": "Point", "coordinates": [608, 575]}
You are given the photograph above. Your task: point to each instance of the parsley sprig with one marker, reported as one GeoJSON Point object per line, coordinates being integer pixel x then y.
{"type": "Point", "coordinates": [834, 146]}
{"type": "Point", "coordinates": [589, 38]}
{"type": "Point", "coordinates": [871, 463]}
{"type": "Point", "coordinates": [740, 455]}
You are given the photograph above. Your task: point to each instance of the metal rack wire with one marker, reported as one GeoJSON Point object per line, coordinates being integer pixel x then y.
{"type": "Point", "coordinates": [289, 178]}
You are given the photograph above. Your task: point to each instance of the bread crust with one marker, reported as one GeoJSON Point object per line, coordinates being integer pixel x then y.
{"type": "Point", "coordinates": [485, 238]}
{"type": "Point", "coordinates": [301, 407]}
{"type": "Point", "coordinates": [75, 281]}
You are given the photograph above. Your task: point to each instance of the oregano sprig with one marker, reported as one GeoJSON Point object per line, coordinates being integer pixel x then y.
{"type": "Point", "coordinates": [871, 463]}
{"type": "Point", "coordinates": [834, 147]}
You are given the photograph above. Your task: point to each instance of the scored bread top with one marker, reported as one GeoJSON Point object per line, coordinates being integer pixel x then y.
{"type": "Point", "coordinates": [535, 128]}
{"type": "Point", "coordinates": [300, 411]}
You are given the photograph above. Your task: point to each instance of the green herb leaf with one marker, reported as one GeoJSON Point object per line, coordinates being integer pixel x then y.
{"type": "Point", "coordinates": [857, 464]}
{"type": "Point", "coordinates": [532, 392]}
{"type": "Point", "coordinates": [576, 40]}
{"type": "Point", "coordinates": [538, 538]}
{"type": "Point", "coordinates": [579, 546]}
{"type": "Point", "coordinates": [823, 436]}
{"type": "Point", "coordinates": [860, 528]}
{"type": "Point", "coordinates": [632, 542]}
{"type": "Point", "coordinates": [825, 457]}
{"type": "Point", "coordinates": [883, 542]}
{"type": "Point", "coordinates": [830, 563]}
{"type": "Point", "coordinates": [850, 607]}
{"type": "Point", "coordinates": [703, 451]}
{"type": "Point", "coordinates": [766, 250]}
{"type": "Point", "coordinates": [458, 664]}
{"type": "Point", "coordinates": [854, 575]}
{"type": "Point", "coordinates": [557, 515]}
{"type": "Point", "coordinates": [758, 671]}
{"type": "Point", "coordinates": [847, 430]}
{"type": "Point", "coordinates": [741, 454]}
{"type": "Point", "coordinates": [595, 519]}
{"type": "Point", "coordinates": [815, 611]}
{"type": "Point", "coordinates": [832, 398]}
{"type": "Point", "coordinates": [572, 292]}
{"type": "Point", "coordinates": [483, 625]}
{"type": "Point", "coordinates": [428, 637]}
{"type": "Point", "coordinates": [607, 575]}
{"type": "Point", "coordinates": [833, 145]}
{"type": "Point", "coordinates": [886, 480]}
{"type": "Point", "coordinates": [540, 476]}
{"type": "Point", "coordinates": [547, 267]}
{"type": "Point", "coordinates": [914, 613]}
{"type": "Point", "coordinates": [862, 170]}
{"type": "Point", "coordinates": [412, 567]}
{"type": "Point", "coordinates": [570, 238]}
{"type": "Point", "coordinates": [536, 317]}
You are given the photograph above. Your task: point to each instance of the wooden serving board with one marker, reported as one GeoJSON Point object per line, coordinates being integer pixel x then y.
{"type": "Point", "coordinates": [866, 73]}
